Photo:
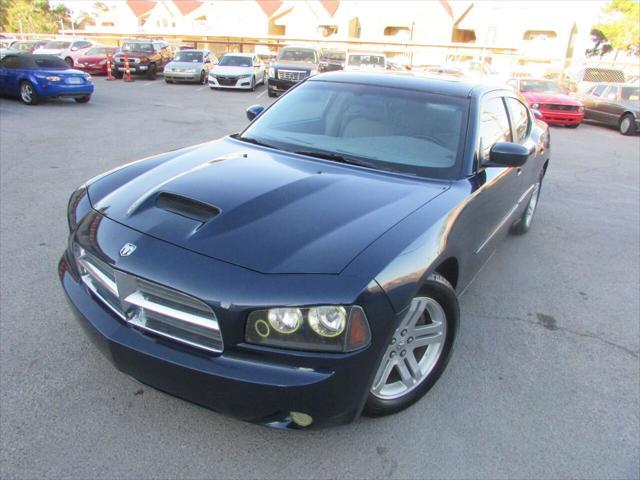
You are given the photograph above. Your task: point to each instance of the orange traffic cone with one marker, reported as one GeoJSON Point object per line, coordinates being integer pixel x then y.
{"type": "Point", "coordinates": [109, 76]}
{"type": "Point", "coordinates": [127, 69]}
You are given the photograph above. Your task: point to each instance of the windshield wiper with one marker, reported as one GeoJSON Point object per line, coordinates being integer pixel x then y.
{"type": "Point", "coordinates": [335, 157]}
{"type": "Point", "coordinates": [255, 141]}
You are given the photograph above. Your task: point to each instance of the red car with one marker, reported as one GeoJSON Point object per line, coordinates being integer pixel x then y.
{"type": "Point", "coordinates": [95, 60]}
{"type": "Point", "coordinates": [551, 100]}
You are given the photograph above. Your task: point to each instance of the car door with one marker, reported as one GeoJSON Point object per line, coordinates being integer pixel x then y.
{"type": "Point", "coordinates": [610, 107]}
{"type": "Point", "coordinates": [497, 189]}
{"type": "Point", "coordinates": [8, 75]}
{"type": "Point", "coordinates": [591, 102]}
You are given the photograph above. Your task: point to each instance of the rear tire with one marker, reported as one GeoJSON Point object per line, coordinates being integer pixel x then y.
{"type": "Point", "coordinates": [118, 74]}
{"type": "Point", "coordinates": [406, 372]}
{"type": "Point", "coordinates": [167, 80]}
{"type": "Point", "coordinates": [253, 84]}
{"type": "Point", "coordinates": [28, 93]}
{"type": "Point", "coordinates": [84, 99]}
{"type": "Point", "coordinates": [627, 125]}
{"type": "Point", "coordinates": [151, 73]}
{"type": "Point", "coordinates": [271, 93]}
{"type": "Point", "coordinates": [203, 77]}
{"type": "Point", "coordinates": [69, 61]}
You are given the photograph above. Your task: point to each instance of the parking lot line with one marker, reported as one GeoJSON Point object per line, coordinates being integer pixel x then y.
{"type": "Point", "coordinates": [202, 88]}
{"type": "Point", "coordinates": [261, 94]}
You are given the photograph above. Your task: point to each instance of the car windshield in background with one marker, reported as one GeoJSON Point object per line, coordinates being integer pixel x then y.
{"type": "Point", "coordinates": [99, 51]}
{"type": "Point", "coordinates": [234, 61]}
{"type": "Point", "coordinates": [48, 61]}
{"type": "Point", "coordinates": [333, 55]}
{"type": "Point", "coordinates": [22, 46]}
{"type": "Point", "coordinates": [186, 56]}
{"type": "Point", "coordinates": [539, 86]}
{"type": "Point", "coordinates": [631, 93]}
{"type": "Point", "coordinates": [366, 60]}
{"type": "Point", "coordinates": [297, 55]}
{"type": "Point", "coordinates": [58, 45]}
{"type": "Point", "coordinates": [388, 128]}
{"type": "Point", "coordinates": [137, 47]}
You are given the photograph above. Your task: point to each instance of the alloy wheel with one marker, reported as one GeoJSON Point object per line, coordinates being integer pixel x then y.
{"type": "Point", "coordinates": [415, 348]}
{"type": "Point", "coordinates": [26, 92]}
{"type": "Point", "coordinates": [533, 203]}
{"type": "Point", "coordinates": [625, 125]}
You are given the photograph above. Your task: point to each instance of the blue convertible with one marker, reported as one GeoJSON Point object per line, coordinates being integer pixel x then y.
{"type": "Point", "coordinates": [307, 269]}
{"type": "Point", "coordinates": [33, 77]}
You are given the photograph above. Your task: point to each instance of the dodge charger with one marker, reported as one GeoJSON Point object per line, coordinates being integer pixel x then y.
{"type": "Point", "coordinates": [306, 270]}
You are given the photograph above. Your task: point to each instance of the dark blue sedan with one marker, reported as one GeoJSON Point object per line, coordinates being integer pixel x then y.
{"type": "Point", "coordinates": [308, 269]}
{"type": "Point", "coordinates": [33, 77]}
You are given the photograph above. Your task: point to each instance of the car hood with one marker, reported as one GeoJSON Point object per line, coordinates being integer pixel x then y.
{"type": "Point", "coordinates": [555, 98]}
{"type": "Point", "coordinates": [231, 71]}
{"type": "Point", "coordinates": [48, 51]}
{"type": "Point", "coordinates": [133, 54]}
{"type": "Point", "coordinates": [92, 59]}
{"type": "Point", "coordinates": [294, 65]}
{"type": "Point", "coordinates": [264, 210]}
{"type": "Point", "coordinates": [185, 64]}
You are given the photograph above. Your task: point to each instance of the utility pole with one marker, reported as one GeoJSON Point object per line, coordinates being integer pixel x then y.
{"type": "Point", "coordinates": [20, 28]}
{"type": "Point", "coordinates": [413, 24]}
{"type": "Point", "coordinates": [61, 27]}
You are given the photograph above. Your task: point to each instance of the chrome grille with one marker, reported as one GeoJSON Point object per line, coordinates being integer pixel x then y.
{"type": "Point", "coordinates": [151, 307]}
{"type": "Point", "coordinates": [292, 75]}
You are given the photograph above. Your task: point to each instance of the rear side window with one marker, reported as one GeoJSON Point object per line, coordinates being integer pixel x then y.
{"type": "Point", "coordinates": [494, 125]}
{"type": "Point", "coordinates": [598, 90]}
{"type": "Point", "coordinates": [519, 119]}
{"type": "Point", "coordinates": [9, 62]}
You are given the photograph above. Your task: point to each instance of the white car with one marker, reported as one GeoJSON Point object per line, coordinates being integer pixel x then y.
{"type": "Point", "coordinates": [366, 61]}
{"type": "Point", "coordinates": [237, 70]}
{"type": "Point", "coordinates": [70, 50]}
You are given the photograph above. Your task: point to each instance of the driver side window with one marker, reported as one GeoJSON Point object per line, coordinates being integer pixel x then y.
{"type": "Point", "coordinates": [598, 90]}
{"type": "Point", "coordinates": [494, 125]}
{"type": "Point", "coordinates": [519, 119]}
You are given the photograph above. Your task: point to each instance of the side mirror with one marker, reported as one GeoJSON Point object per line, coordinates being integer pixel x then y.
{"type": "Point", "coordinates": [537, 113]}
{"type": "Point", "coordinates": [253, 111]}
{"type": "Point", "coordinates": [507, 154]}
{"type": "Point", "coordinates": [74, 49]}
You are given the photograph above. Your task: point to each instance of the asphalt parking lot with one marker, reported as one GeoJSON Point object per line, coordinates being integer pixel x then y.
{"type": "Point", "coordinates": [544, 383]}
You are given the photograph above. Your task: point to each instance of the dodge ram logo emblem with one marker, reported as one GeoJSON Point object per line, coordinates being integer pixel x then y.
{"type": "Point", "coordinates": [127, 249]}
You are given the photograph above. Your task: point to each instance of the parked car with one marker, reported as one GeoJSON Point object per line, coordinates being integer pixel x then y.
{"type": "Point", "coordinates": [146, 57]}
{"type": "Point", "coordinates": [583, 79]}
{"type": "Point", "coordinates": [95, 60]}
{"type": "Point", "coordinates": [293, 64]}
{"type": "Point", "coordinates": [332, 60]}
{"type": "Point", "coordinates": [6, 41]}
{"type": "Point", "coordinates": [237, 70]}
{"type": "Point", "coordinates": [23, 46]}
{"type": "Point", "coordinates": [303, 271]}
{"type": "Point", "coordinates": [190, 66]}
{"type": "Point", "coordinates": [370, 61]}
{"type": "Point", "coordinates": [551, 100]}
{"type": "Point", "coordinates": [34, 77]}
{"type": "Point", "coordinates": [614, 104]}
{"type": "Point", "coordinates": [67, 49]}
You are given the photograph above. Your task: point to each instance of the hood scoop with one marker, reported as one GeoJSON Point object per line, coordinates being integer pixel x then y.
{"type": "Point", "coordinates": [186, 207]}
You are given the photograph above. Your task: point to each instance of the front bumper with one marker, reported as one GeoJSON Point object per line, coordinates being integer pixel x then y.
{"type": "Point", "coordinates": [279, 86]}
{"type": "Point", "coordinates": [92, 69]}
{"type": "Point", "coordinates": [255, 384]}
{"type": "Point", "coordinates": [562, 117]}
{"type": "Point", "coordinates": [182, 76]}
{"type": "Point", "coordinates": [134, 68]}
{"type": "Point", "coordinates": [240, 83]}
{"type": "Point", "coordinates": [61, 90]}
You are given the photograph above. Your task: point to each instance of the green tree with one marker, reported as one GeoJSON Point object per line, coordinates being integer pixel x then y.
{"type": "Point", "coordinates": [35, 16]}
{"type": "Point", "coordinates": [622, 28]}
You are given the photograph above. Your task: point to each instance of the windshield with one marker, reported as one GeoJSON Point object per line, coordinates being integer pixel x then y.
{"type": "Point", "coordinates": [49, 61]}
{"type": "Point", "coordinates": [333, 55]}
{"type": "Point", "coordinates": [542, 86]}
{"type": "Point", "coordinates": [99, 51]}
{"type": "Point", "coordinates": [58, 45]}
{"type": "Point", "coordinates": [234, 61]}
{"type": "Point", "coordinates": [366, 60]}
{"type": "Point", "coordinates": [137, 47]}
{"type": "Point", "coordinates": [389, 128]}
{"type": "Point", "coordinates": [22, 46]}
{"type": "Point", "coordinates": [630, 93]}
{"type": "Point", "coordinates": [186, 56]}
{"type": "Point", "coordinates": [297, 55]}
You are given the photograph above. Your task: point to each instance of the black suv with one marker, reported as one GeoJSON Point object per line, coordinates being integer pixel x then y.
{"type": "Point", "coordinates": [292, 65]}
{"type": "Point", "coordinates": [146, 57]}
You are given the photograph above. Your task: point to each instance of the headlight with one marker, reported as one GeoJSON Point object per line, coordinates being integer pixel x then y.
{"type": "Point", "coordinates": [88, 78]}
{"type": "Point", "coordinates": [74, 213]}
{"type": "Point", "coordinates": [272, 72]}
{"type": "Point", "coordinates": [246, 76]}
{"type": "Point", "coordinates": [535, 106]}
{"type": "Point", "coordinates": [102, 62]}
{"type": "Point", "coordinates": [329, 328]}
{"type": "Point", "coordinates": [53, 78]}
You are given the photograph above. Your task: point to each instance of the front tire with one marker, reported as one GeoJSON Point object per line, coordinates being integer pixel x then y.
{"type": "Point", "coordinates": [28, 93]}
{"type": "Point", "coordinates": [253, 84]}
{"type": "Point", "coordinates": [419, 350]}
{"type": "Point", "coordinates": [151, 73]}
{"type": "Point", "coordinates": [627, 124]}
{"type": "Point", "coordinates": [523, 224]}
{"type": "Point", "coordinates": [271, 93]}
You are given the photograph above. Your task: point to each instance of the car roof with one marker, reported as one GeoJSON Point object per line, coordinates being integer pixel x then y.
{"type": "Point", "coordinates": [238, 54]}
{"type": "Point", "coordinates": [365, 52]}
{"type": "Point", "coordinates": [194, 50]}
{"type": "Point", "coordinates": [305, 47]}
{"type": "Point", "coordinates": [441, 86]}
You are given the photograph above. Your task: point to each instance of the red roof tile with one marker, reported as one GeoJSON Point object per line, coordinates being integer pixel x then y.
{"type": "Point", "coordinates": [269, 7]}
{"type": "Point", "coordinates": [187, 6]}
{"type": "Point", "coordinates": [330, 6]}
{"type": "Point", "coordinates": [140, 7]}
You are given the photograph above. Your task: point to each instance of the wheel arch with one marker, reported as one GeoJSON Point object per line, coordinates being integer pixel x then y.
{"type": "Point", "coordinates": [450, 270]}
